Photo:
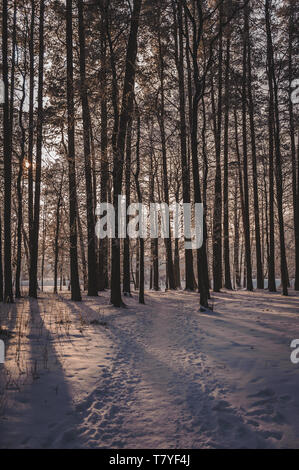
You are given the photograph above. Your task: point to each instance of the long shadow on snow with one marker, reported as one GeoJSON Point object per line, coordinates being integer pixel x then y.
{"type": "Point", "coordinates": [48, 395]}
{"type": "Point", "coordinates": [215, 418]}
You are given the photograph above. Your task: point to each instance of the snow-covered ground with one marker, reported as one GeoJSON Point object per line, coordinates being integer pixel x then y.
{"type": "Point", "coordinates": [162, 375]}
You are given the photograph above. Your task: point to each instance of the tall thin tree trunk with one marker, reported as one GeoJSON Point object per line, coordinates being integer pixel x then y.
{"type": "Point", "coordinates": [278, 169]}
{"type": "Point", "coordinates": [291, 28]}
{"type": "Point", "coordinates": [139, 194]}
{"type": "Point", "coordinates": [19, 180]}
{"type": "Point", "coordinates": [13, 73]}
{"type": "Point", "coordinates": [237, 277]}
{"type": "Point", "coordinates": [217, 216]}
{"type": "Point", "coordinates": [259, 264]}
{"type": "Point", "coordinates": [205, 187]}
{"type": "Point", "coordinates": [126, 257]}
{"type": "Point", "coordinates": [8, 293]}
{"type": "Point", "coordinates": [43, 246]}
{"type": "Point", "coordinates": [155, 241]}
{"type": "Point", "coordinates": [241, 185]}
{"type": "Point", "coordinates": [38, 163]}
{"type": "Point", "coordinates": [31, 124]}
{"type": "Point", "coordinates": [103, 244]}
{"type": "Point", "coordinates": [228, 284]}
{"type": "Point", "coordinates": [189, 272]}
{"type": "Point", "coordinates": [271, 254]}
{"type": "Point", "coordinates": [198, 92]}
{"type": "Point", "coordinates": [82, 249]}
{"type": "Point", "coordinates": [249, 283]}
{"type": "Point", "coordinates": [73, 215]}
{"type": "Point", "coordinates": [118, 154]}
{"type": "Point", "coordinates": [57, 232]}
{"type": "Point", "coordinates": [91, 236]}
{"type": "Point", "coordinates": [161, 121]}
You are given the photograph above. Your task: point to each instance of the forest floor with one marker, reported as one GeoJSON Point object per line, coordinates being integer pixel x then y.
{"type": "Point", "coordinates": [163, 375]}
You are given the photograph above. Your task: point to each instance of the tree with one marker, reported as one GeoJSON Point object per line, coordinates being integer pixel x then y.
{"type": "Point", "coordinates": [259, 264]}
{"type": "Point", "coordinates": [139, 195]}
{"type": "Point", "coordinates": [278, 172]}
{"type": "Point", "coordinates": [161, 122]}
{"type": "Point", "coordinates": [57, 231]}
{"type": "Point", "coordinates": [217, 216]}
{"type": "Point", "coordinates": [8, 293]}
{"type": "Point", "coordinates": [31, 122]}
{"type": "Point", "coordinates": [246, 221]}
{"type": "Point", "coordinates": [189, 285]}
{"type": "Point", "coordinates": [291, 76]}
{"type": "Point", "coordinates": [126, 261]}
{"type": "Point", "coordinates": [103, 248]}
{"type": "Point", "coordinates": [227, 281]}
{"type": "Point", "coordinates": [198, 84]}
{"type": "Point", "coordinates": [118, 154]}
{"type": "Point", "coordinates": [73, 205]}
{"type": "Point", "coordinates": [20, 177]}
{"type": "Point", "coordinates": [92, 260]}
{"type": "Point", "coordinates": [38, 163]}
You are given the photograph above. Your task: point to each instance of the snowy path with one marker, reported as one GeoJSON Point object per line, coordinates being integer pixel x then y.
{"type": "Point", "coordinates": [159, 376]}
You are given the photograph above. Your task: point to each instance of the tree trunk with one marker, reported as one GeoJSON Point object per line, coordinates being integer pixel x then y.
{"type": "Point", "coordinates": [141, 239]}
{"type": "Point", "coordinates": [19, 182]}
{"type": "Point", "coordinates": [56, 246]}
{"type": "Point", "coordinates": [91, 236]}
{"type": "Point", "coordinates": [227, 283]}
{"type": "Point", "coordinates": [259, 264]}
{"type": "Point", "coordinates": [8, 293]}
{"type": "Point", "coordinates": [161, 121]}
{"type": "Point", "coordinates": [292, 137]}
{"type": "Point", "coordinates": [43, 246]}
{"type": "Point", "coordinates": [38, 164]}
{"type": "Point", "coordinates": [241, 185]}
{"type": "Point", "coordinates": [217, 216]}
{"type": "Point", "coordinates": [249, 283]}
{"type": "Point", "coordinates": [126, 257]}
{"type": "Point", "coordinates": [154, 241]}
{"type": "Point", "coordinates": [271, 254]}
{"type": "Point", "coordinates": [237, 276]}
{"type": "Point", "coordinates": [31, 124]}
{"type": "Point", "coordinates": [278, 170]}
{"type": "Point", "coordinates": [82, 249]}
{"type": "Point", "coordinates": [189, 273]}
{"type": "Point", "coordinates": [137, 268]}
{"type": "Point", "coordinates": [197, 96]}
{"type": "Point", "coordinates": [103, 244]}
{"type": "Point", "coordinates": [118, 154]}
{"type": "Point", "coordinates": [73, 216]}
